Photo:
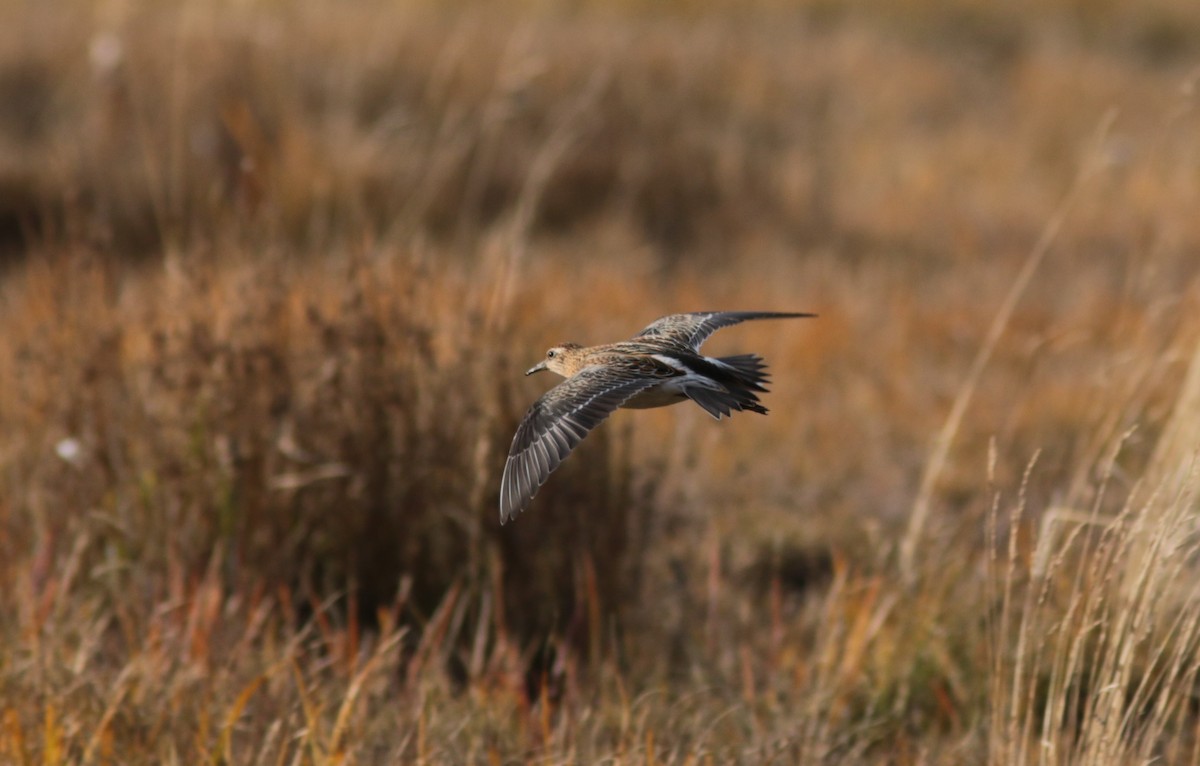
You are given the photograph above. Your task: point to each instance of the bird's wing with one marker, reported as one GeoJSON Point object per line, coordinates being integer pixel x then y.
{"type": "Point", "coordinates": [557, 422]}
{"type": "Point", "coordinates": [691, 330]}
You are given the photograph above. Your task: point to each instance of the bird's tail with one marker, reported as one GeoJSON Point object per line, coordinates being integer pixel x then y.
{"type": "Point", "coordinates": [723, 403]}
{"type": "Point", "coordinates": [736, 381]}
{"type": "Point", "coordinates": [748, 369]}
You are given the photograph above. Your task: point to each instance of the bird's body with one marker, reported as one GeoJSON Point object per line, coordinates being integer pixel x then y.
{"type": "Point", "coordinates": [658, 367]}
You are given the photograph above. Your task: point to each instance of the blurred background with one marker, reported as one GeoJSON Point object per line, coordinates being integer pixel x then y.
{"type": "Point", "coordinates": [270, 274]}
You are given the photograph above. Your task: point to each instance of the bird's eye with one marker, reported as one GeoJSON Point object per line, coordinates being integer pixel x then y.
{"type": "Point", "coordinates": [550, 354]}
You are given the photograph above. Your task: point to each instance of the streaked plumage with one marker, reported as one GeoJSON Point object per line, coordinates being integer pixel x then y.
{"type": "Point", "coordinates": [659, 366]}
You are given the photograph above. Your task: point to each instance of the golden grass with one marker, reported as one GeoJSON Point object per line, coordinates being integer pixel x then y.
{"type": "Point", "coordinates": [272, 272]}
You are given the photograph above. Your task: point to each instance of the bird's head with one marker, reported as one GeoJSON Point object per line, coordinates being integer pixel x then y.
{"type": "Point", "coordinates": [562, 359]}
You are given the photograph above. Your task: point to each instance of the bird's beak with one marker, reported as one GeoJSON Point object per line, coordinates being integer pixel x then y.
{"type": "Point", "coordinates": [536, 368]}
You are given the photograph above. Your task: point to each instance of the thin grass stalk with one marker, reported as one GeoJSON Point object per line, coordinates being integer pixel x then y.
{"type": "Point", "coordinates": [945, 438]}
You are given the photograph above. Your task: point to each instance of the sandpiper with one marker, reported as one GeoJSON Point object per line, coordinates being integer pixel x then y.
{"type": "Point", "coordinates": [659, 366]}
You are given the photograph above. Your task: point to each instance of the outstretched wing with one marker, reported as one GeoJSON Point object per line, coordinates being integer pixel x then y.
{"type": "Point", "coordinates": [555, 425]}
{"type": "Point", "coordinates": [691, 330]}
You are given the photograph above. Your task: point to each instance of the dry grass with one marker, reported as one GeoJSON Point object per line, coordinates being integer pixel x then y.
{"type": "Point", "coordinates": [271, 274]}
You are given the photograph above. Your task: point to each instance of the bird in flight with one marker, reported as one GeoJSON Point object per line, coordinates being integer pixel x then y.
{"type": "Point", "coordinates": [659, 366]}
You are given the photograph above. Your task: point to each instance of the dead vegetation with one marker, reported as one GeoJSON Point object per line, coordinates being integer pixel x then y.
{"type": "Point", "coordinates": [271, 275]}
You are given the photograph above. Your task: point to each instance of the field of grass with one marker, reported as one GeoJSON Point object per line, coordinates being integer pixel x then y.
{"type": "Point", "coordinates": [270, 274]}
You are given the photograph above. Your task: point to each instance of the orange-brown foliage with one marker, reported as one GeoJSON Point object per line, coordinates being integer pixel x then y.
{"type": "Point", "coordinates": [270, 275]}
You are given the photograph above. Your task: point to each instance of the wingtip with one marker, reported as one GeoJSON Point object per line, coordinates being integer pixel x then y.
{"type": "Point", "coordinates": [507, 514]}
